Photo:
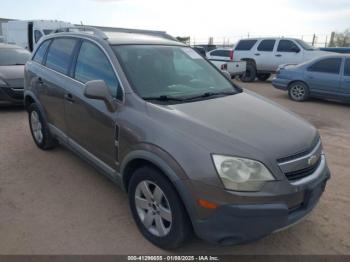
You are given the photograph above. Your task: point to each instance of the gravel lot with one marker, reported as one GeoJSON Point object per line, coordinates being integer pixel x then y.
{"type": "Point", "coordinates": [54, 203]}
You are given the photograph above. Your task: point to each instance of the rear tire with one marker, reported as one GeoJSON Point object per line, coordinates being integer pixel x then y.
{"type": "Point", "coordinates": [298, 91]}
{"type": "Point", "coordinates": [159, 213]}
{"type": "Point", "coordinates": [250, 73]}
{"type": "Point", "coordinates": [263, 77]}
{"type": "Point", "coordinates": [39, 129]}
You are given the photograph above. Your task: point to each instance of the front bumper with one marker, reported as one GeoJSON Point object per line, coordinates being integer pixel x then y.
{"type": "Point", "coordinates": [280, 83]}
{"type": "Point", "coordinates": [11, 96]}
{"type": "Point", "coordinates": [241, 223]}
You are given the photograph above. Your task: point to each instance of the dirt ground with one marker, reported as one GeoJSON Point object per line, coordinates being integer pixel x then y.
{"type": "Point", "coordinates": [54, 203]}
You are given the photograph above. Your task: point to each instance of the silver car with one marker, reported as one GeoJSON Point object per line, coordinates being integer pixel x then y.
{"type": "Point", "coordinates": [12, 61]}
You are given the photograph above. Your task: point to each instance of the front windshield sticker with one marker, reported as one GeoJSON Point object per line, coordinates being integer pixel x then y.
{"type": "Point", "coordinates": [191, 53]}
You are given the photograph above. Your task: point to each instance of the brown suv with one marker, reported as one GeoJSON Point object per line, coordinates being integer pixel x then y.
{"type": "Point", "coordinates": [193, 151]}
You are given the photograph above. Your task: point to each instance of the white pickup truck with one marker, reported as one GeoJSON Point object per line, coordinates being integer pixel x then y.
{"type": "Point", "coordinates": [264, 55]}
{"type": "Point", "coordinates": [222, 58]}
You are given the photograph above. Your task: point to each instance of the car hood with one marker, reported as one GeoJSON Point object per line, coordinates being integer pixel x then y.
{"type": "Point", "coordinates": [12, 72]}
{"type": "Point", "coordinates": [244, 124]}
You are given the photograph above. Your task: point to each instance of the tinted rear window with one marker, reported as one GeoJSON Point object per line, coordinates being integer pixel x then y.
{"type": "Point", "coordinates": [347, 67]}
{"type": "Point", "coordinates": [245, 45]}
{"type": "Point", "coordinates": [266, 45]}
{"type": "Point", "coordinates": [60, 54]}
{"type": "Point", "coordinates": [224, 53]}
{"type": "Point", "coordinates": [329, 65]}
{"type": "Point", "coordinates": [40, 53]}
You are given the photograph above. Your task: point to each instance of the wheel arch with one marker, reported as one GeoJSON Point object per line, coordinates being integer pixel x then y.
{"type": "Point", "coordinates": [298, 80]}
{"type": "Point", "coordinates": [30, 98]}
{"type": "Point", "coordinates": [168, 166]}
{"type": "Point", "coordinates": [249, 60]}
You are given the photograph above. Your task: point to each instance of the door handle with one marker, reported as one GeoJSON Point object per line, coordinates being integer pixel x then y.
{"type": "Point", "coordinates": [279, 55]}
{"type": "Point", "coordinates": [257, 54]}
{"type": "Point", "coordinates": [69, 98]}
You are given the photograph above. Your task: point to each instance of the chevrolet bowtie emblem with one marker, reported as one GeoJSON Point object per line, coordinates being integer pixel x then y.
{"type": "Point", "coordinates": [312, 160]}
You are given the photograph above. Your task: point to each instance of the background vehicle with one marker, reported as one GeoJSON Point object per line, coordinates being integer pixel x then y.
{"type": "Point", "coordinates": [151, 114]}
{"type": "Point", "coordinates": [340, 50]}
{"type": "Point", "coordinates": [12, 61]}
{"type": "Point", "coordinates": [223, 59]}
{"type": "Point", "coordinates": [200, 50]}
{"type": "Point", "coordinates": [325, 77]}
{"type": "Point", "coordinates": [264, 55]}
{"type": "Point", "coordinates": [28, 33]}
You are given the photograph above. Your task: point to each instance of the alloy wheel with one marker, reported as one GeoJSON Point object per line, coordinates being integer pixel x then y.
{"type": "Point", "coordinates": [153, 208]}
{"type": "Point", "coordinates": [298, 92]}
{"type": "Point", "coordinates": [36, 127]}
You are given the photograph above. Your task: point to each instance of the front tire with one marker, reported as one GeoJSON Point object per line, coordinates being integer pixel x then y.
{"type": "Point", "coordinates": [157, 209]}
{"type": "Point", "coordinates": [298, 91]}
{"type": "Point", "coordinates": [250, 73]}
{"type": "Point", "coordinates": [39, 129]}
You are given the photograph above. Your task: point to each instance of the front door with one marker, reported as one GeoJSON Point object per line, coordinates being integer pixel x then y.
{"type": "Point", "coordinates": [324, 76]}
{"type": "Point", "coordinates": [287, 52]}
{"type": "Point", "coordinates": [91, 127]}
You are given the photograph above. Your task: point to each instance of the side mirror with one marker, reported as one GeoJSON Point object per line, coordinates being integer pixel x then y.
{"type": "Point", "coordinates": [97, 89]}
{"type": "Point", "coordinates": [295, 49]}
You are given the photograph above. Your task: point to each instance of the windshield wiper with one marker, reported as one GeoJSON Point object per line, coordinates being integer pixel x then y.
{"type": "Point", "coordinates": [211, 94]}
{"type": "Point", "coordinates": [164, 98]}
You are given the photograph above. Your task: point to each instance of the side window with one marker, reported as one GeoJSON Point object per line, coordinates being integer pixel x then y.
{"type": "Point", "coordinates": [37, 35]}
{"type": "Point", "coordinates": [40, 53]}
{"type": "Point", "coordinates": [347, 67]}
{"type": "Point", "coordinates": [60, 54]}
{"type": "Point", "coordinates": [287, 46]}
{"type": "Point", "coordinates": [245, 45]}
{"type": "Point", "coordinates": [224, 53]}
{"type": "Point", "coordinates": [266, 45]}
{"type": "Point", "coordinates": [92, 64]}
{"type": "Point", "coordinates": [328, 65]}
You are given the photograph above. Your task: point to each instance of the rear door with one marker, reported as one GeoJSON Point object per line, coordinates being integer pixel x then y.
{"type": "Point", "coordinates": [91, 127]}
{"type": "Point", "coordinates": [52, 81]}
{"type": "Point", "coordinates": [324, 76]}
{"type": "Point", "coordinates": [345, 81]}
{"type": "Point", "coordinates": [263, 55]}
{"type": "Point", "coordinates": [287, 52]}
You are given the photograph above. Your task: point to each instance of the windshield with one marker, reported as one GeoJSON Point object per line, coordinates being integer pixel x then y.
{"type": "Point", "coordinates": [304, 45]}
{"type": "Point", "coordinates": [170, 72]}
{"type": "Point", "coordinates": [47, 31]}
{"type": "Point", "coordinates": [13, 56]}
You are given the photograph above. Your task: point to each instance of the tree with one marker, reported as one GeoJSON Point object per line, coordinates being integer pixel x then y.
{"type": "Point", "coordinates": [340, 39]}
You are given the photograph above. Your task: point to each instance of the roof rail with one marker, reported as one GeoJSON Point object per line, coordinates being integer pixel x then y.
{"type": "Point", "coordinates": [93, 30]}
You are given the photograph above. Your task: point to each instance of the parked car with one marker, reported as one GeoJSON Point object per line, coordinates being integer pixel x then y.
{"type": "Point", "coordinates": [326, 77]}
{"type": "Point", "coordinates": [12, 61]}
{"type": "Point", "coordinates": [264, 55]}
{"type": "Point", "coordinates": [168, 127]}
{"type": "Point", "coordinates": [222, 58]}
{"type": "Point", "coordinates": [340, 50]}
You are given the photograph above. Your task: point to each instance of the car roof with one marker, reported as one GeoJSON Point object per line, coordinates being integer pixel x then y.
{"type": "Point", "coordinates": [121, 38]}
{"type": "Point", "coordinates": [9, 46]}
{"type": "Point", "coordinates": [270, 38]}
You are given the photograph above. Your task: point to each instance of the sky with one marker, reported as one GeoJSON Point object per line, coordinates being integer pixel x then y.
{"type": "Point", "coordinates": [196, 18]}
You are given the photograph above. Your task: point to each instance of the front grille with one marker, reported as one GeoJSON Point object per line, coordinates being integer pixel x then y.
{"type": "Point", "coordinates": [302, 153]}
{"type": "Point", "coordinates": [302, 164]}
{"type": "Point", "coordinates": [299, 174]}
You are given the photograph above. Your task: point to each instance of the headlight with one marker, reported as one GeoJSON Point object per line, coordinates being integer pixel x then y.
{"type": "Point", "coordinates": [2, 83]}
{"type": "Point", "coordinates": [241, 174]}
